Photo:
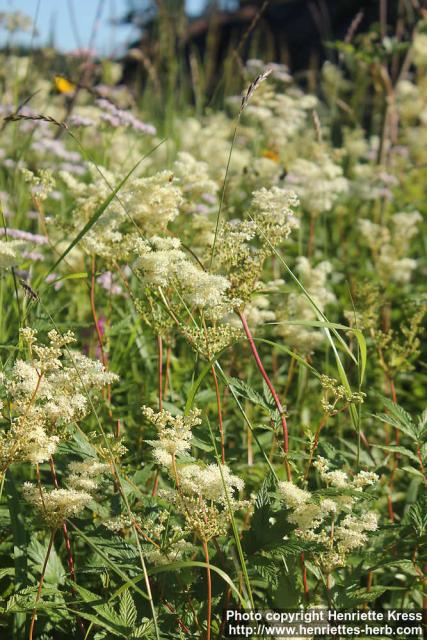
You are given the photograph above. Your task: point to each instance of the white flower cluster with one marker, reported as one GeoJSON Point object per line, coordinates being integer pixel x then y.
{"type": "Point", "coordinates": [41, 184]}
{"type": "Point", "coordinates": [330, 522]}
{"type": "Point", "coordinates": [280, 115]}
{"type": "Point", "coordinates": [56, 505]}
{"type": "Point", "coordinates": [163, 263]}
{"type": "Point", "coordinates": [419, 49]}
{"type": "Point", "coordinates": [46, 393]}
{"type": "Point", "coordinates": [390, 246]}
{"type": "Point", "coordinates": [340, 479]}
{"type": "Point", "coordinates": [194, 179]}
{"type": "Point", "coordinates": [203, 493]}
{"type": "Point", "coordinates": [10, 253]}
{"type": "Point", "coordinates": [82, 475]}
{"type": "Point", "coordinates": [211, 482]}
{"type": "Point", "coordinates": [371, 182]}
{"type": "Point", "coordinates": [208, 140]}
{"type": "Point", "coordinates": [174, 433]}
{"type": "Point", "coordinates": [319, 183]}
{"type": "Point", "coordinates": [243, 245]}
{"type": "Point", "coordinates": [151, 203]}
{"type": "Point", "coordinates": [298, 306]}
{"type": "Point", "coordinates": [272, 211]}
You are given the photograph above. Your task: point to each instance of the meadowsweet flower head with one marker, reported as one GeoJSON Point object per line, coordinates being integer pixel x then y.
{"type": "Point", "coordinates": [273, 212]}
{"type": "Point", "coordinates": [211, 482]}
{"type": "Point", "coordinates": [159, 259]}
{"type": "Point", "coordinates": [162, 262]}
{"type": "Point", "coordinates": [194, 179]}
{"type": "Point", "coordinates": [390, 245]}
{"type": "Point", "coordinates": [153, 202]}
{"type": "Point", "coordinates": [10, 253]}
{"type": "Point", "coordinates": [419, 49]}
{"type": "Point", "coordinates": [203, 493]}
{"type": "Point", "coordinates": [292, 495]}
{"type": "Point", "coordinates": [244, 245]}
{"type": "Point", "coordinates": [318, 183]}
{"type": "Point", "coordinates": [56, 505]}
{"type": "Point", "coordinates": [352, 532]}
{"type": "Point", "coordinates": [49, 391]}
{"type": "Point", "coordinates": [336, 524]}
{"type": "Point", "coordinates": [41, 184]}
{"type": "Point", "coordinates": [83, 476]}
{"type": "Point", "coordinates": [175, 433]}
{"type": "Point", "coordinates": [297, 306]}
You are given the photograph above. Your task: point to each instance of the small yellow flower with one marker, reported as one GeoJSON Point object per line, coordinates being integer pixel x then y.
{"type": "Point", "coordinates": [63, 85]}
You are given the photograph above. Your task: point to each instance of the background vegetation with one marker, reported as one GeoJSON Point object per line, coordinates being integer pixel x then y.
{"type": "Point", "coordinates": [237, 416]}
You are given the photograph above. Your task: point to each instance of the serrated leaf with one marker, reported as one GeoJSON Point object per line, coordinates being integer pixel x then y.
{"type": "Point", "coordinates": [263, 495]}
{"type": "Point", "coordinates": [409, 430]}
{"type": "Point", "coordinates": [55, 572]}
{"type": "Point", "coordinates": [363, 595]}
{"type": "Point", "coordinates": [398, 412]}
{"type": "Point", "coordinates": [7, 571]}
{"type": "Point", "coordinates": [127, 609]}
{"type": "Point", "coordinates": [268, 395]}
{"type": "Point", "coordinates": [413, 471]}
{"type": "Point", "coordinates": [244, 389]}
{"type": "Point", "coordinates": [394, 448]}
{"type": "Point", "coordinates": [266, 567]}
{"type": "Point", "coordinates": [144, 630]}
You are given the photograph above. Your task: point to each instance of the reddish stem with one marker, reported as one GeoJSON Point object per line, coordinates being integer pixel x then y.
{"type": "Point", "coordinates": [270, 386]}
{"type": "Point", "coordinates": [420, 460]}
{"type": "Point", "coordinates": [304, 576]}
{"type": "Point", "coordinates": [208, 574]}
{"type": "Point", "coordinates": [98, 328]}
{"type": "Point", "coordinates": [173, 610]}
{"type": "Point", "coordinates": [167, 372]}
{"type": "Point", "coordinates": [221, 426]}
{"type": "Point", "coordinates": [40, 587]}
{"type": "Point", "coordinates": [70, 558]}
{"type": "Point", "coordinates": [64, 527]}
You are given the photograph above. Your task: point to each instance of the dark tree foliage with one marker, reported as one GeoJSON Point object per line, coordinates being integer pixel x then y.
{"type": "Point", "coordinates": [296, 32]}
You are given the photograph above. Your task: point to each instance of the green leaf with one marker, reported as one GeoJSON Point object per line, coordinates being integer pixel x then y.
{"type": "Point", "coordinates": [55, 572]}
{"type": "Point", "coordinates": [105, 623]}
{"type": "Point", "coordinates": [106, 616]}
{"type": "Point", "coordinates": [7, 571]}
{"type": "Point", "coordinates": [113, 565]}
{"type": "Point", "coordinates": [363, 595]}
{"type": "Point", "coordinates": [98, 213]}
{"type": "Point", "coordinates": [174, 566]}
{"type": "Point", "coordinates": [19, 537]}
{"type": "Point", "coordinates": [201, 444]}
{"type": "Point", "coordinates": [245, 390]}
{"type": "Point", "coordinates": [413, 471]}
{"type": "Point", "coordinates": [394, 448]}
{"type": "Point", "coordinates": [409, 430]}
{"type": "Point", "coordinates": [127, 609]}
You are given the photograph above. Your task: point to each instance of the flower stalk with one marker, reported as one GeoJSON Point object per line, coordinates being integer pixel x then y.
{"type": "Point", "coordinates": [271, 387]}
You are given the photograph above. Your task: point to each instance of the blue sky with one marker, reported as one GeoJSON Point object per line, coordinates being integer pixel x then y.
{"type": "Point", "coordinates": [54, 17]}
